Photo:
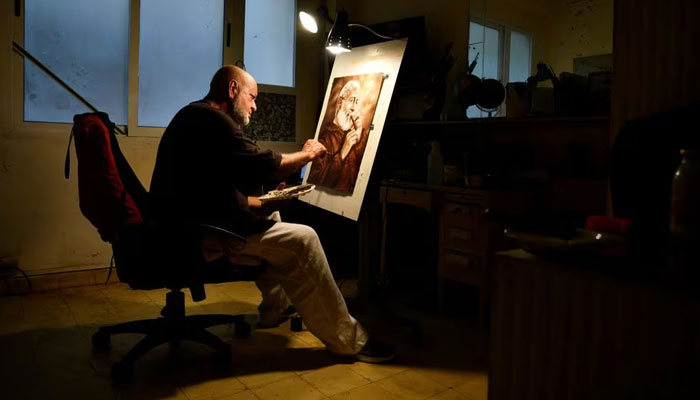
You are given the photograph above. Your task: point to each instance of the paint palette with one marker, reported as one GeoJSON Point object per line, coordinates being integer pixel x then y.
{"type": "Point", "coordinates": [287, 193]}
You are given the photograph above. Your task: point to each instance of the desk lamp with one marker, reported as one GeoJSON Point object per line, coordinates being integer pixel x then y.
{"type": "Point", "coordinates": [338, 40]}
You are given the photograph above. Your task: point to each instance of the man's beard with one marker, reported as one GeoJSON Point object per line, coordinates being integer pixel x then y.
{"type": "Point", "coordinates": [239, 115]}
{"type": "Point", "coordinates": [344, 120]}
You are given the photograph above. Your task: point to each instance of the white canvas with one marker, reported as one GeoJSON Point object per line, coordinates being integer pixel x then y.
{"type": "Point", "coordinates": [384, 58]}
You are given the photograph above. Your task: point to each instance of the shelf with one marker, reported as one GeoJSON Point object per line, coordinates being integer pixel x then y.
{"type": "Point", "coordinates": [503, 121]}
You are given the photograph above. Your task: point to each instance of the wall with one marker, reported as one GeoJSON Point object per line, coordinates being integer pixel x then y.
{"type": "Point", "coordinates": [446, 21]}
{"type": "Point", "coordinates": [656, 58]}
{"type": "Point", "coordinates": [580, 28]}
{"type": "Point", "coordinates": [561, 30]}
{"type": "Point", "coordinates": [533, 17]}
{"type": "Point", "coordinates": [40, 221]}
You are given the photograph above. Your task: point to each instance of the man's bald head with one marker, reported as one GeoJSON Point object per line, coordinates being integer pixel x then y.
{"type": "Point", "coordinates": [220, 83]}
{"type": "Point", "coordinates": [233, 91]}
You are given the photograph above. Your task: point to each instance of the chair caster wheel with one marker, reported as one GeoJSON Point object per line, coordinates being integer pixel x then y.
{"type": "Point", "coordinates": [122, 371]}
{"type": "Point", "coordinates": [242, 330]}
{"type": "Point", "coordinates": [296, 324]}
{"type": "Point", "coordinates": [100, 341]}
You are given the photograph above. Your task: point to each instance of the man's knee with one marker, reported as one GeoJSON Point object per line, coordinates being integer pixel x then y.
{"type": "Point", "coordinates": [295, 237]}
{"type": "Point", "coordinates": [306, 235]}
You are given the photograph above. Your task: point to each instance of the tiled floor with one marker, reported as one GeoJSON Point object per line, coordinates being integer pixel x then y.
{"type": "Point", "coordinates": [46, 353]}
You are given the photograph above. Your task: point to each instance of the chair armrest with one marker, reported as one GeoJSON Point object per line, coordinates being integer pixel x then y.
{"type": "Point", "coordinates": [219, 230]}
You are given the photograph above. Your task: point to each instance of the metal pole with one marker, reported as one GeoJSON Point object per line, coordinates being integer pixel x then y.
{"type": "Point", "coordinates": [16, 47]}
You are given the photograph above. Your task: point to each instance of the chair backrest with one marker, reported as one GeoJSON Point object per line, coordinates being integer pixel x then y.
{"type": "Point", "coordinates": [116, 203]}
{"type": "Point", "coordinates": [147, 255]}
{"type": "Point", "coordinates": [111, 196]}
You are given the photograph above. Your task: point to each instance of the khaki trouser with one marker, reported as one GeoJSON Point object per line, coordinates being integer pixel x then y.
{"type": "Point", "coordinates": [297, 270]}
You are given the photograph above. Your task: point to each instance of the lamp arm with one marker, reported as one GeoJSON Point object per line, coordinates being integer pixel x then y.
{"type": "Point", "coordinates": [375, 33]}
{"type": "Point", "coordinates": [323, 12]}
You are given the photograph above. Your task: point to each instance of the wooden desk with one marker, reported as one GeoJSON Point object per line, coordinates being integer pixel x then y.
{"type": "Point", "coordinates": [465, 237]}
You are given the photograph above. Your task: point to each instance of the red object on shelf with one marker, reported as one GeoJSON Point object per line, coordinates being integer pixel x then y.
{"type": "Point", "coordinates": [604, 223]}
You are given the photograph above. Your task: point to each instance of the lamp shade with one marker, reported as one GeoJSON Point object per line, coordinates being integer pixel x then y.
{"type": "Point", "coordinates": [339, 37]}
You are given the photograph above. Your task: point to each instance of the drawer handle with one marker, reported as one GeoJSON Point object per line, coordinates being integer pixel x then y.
{"type": "Point", "coordinates": [459, 234]}
{"type": "Point", "coordinates": [455, 209]}
{"type": "Point", "coordinates": [456, 259]}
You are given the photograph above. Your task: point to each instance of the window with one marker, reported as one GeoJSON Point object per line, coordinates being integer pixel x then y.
{"type": "Point", "coordinates": [176, 65]}
{"type": "Point", "coordinates": [520, 57]}
{"type": "Point", "coordinates": [89, 50]}
{"type": "Point", "coordinates": [504, 54]}
{"type": "Point", "coordinates": [269, 41]}
{"type": "Point", "coordinates": [142, 74]}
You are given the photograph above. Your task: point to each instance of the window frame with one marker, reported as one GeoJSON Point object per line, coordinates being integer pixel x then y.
{"type": "Point", "coordinates": [501, 47]}
{"type": "Point", "coordinates": [504, 45]}
{"type": "Point", "coordinates": [276, 89]}
{"type": "Point", "coordinates": [503, 62]}
{"type": "Point", "coordinates": [233, 50]}
{"type": "Point", "coordinates": [506, 49]}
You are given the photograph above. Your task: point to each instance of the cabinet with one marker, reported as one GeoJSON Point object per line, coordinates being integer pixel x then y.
{"type": "Point", "coordinates": [464, 246]}
{"type": "Point", "coordinates": [535, 173]}
{"type": "Point", "coordinates": [596, 328]}
{"type": "Point", "coordinates": [465, 237]}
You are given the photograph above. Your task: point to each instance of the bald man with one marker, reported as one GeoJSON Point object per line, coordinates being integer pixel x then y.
{"type": "Point", "coordinates": [208, 172]}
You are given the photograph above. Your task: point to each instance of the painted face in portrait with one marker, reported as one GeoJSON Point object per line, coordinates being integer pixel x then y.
{"type": "Point", "coordinates": [348, 110]}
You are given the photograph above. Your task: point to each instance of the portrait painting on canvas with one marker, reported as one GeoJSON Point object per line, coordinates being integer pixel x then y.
{"type": "Point", "coordinates": [346, 127]}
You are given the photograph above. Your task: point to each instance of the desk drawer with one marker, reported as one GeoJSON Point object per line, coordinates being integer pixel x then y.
{"type": "Point", "coordinates": [461, 267]}
{"type": "Point", "coordinates": [417, 198]}
{"type": "Point", "coordinates": [462, 239]}
{"type": "Point", "coordinates": [461, 215]}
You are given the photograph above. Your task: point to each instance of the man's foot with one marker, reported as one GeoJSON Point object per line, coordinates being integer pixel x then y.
{"type": "Point", "coordinates": [375, 352]}
{"type": "Point", "coordinates": [288, 313]}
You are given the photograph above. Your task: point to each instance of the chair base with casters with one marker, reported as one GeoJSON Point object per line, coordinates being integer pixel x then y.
{"type": "Point", "coordinates": [149, 254]}
{"type": "Point", "coordinates": [173, 326]}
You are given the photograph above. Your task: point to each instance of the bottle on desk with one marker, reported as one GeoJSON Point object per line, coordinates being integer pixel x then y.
{"type": "Point", "coordinates": [685, 195]}
{"type": "Point", "coordinates": [435, 164]}
{"type": "Point", "coordinates": [685, 210]}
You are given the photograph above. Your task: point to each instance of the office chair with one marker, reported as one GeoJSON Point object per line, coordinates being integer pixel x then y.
{"type": "Point", "coordinates": [147, 256]}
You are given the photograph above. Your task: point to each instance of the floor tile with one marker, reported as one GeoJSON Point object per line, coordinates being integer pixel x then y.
{"type": "Point", "coordinates": [375, 372]}
{"type": "Point", "coordinates": [475, 389]}
{"type": "Point", "coordinates": [47, 309]}
{"type": "Point", "coordinates": [47, 337]}
{"type": "Point", "coordinates": [335, 379]}
{"type": "Point", "coordinates": [449, 395]}
{"type": "Point", "coordinates": [244, 395]}
{"type": "Point", "coordinates": [309, 338]}
{"type": "Point", "coordinates": [257, 379]}
{"type": "Point", "coordinates": [11, 315]}
{"type": "Point", "coordinates": [150, 392]}
{"type": "Point", "coordinates": [370, 391]}
{"type": "Point", "coordinates": [213, 389]}
{"type": "Point", "coordinates": [411, 385]}
{"type": "Point", "coordinates": [451, 377]}
{"type": "Point", "coordinates": [293, 388]}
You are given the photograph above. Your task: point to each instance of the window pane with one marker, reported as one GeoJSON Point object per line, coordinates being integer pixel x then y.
{"type": "Point", "coordinates": [86, 44]}
{"type": "Point", "coordinates": [269, 41]}
{"type": "Point", "coordinates": [485, 41]}
{"type": "Point", "coordinates": [180, 48]}
{"type": "Point", "coordinates": [519, 69]}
